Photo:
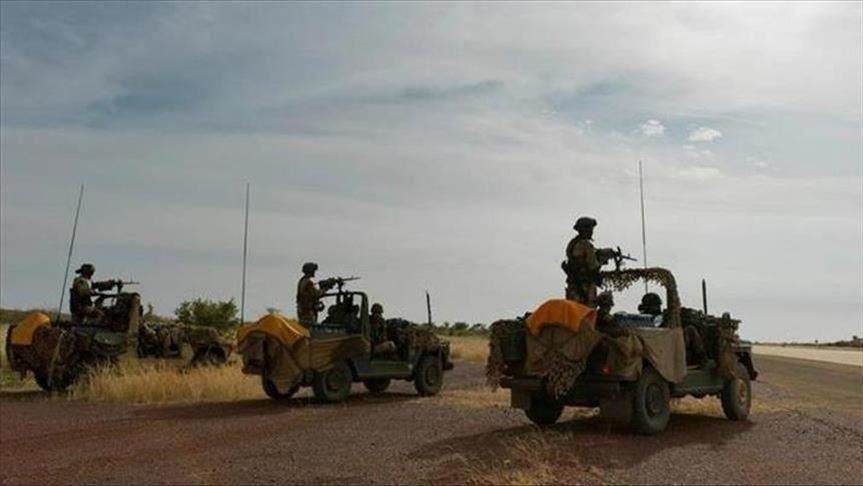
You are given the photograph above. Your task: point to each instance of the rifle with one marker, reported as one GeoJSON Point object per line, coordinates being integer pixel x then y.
{"type": "Point", "coordinates": [614, 254]}
{"type": "Point", "coordinates": [117, 282]}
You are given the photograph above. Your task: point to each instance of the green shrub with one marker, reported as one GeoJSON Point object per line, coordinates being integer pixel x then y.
{"type": "Point", "coordinates": [220, 315]}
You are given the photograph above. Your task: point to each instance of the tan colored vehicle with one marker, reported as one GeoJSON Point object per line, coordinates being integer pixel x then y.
{"type": "Point", "coordinates": [332, 355]}
{"type": "Point", "coordinates": [557, 357]}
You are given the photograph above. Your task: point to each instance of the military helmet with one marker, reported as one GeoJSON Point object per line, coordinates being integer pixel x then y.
{"type": "Point", "coordinates": [584, 222]}
{"type": "Point", "coordinates": [650, 301]}
{"type": "Point", "coordinates": [605, 299]}
{"type": "Point", "coordinates": [86, 269]}
{"type": "Point", "coordinates": [309, 267]}
{"type": "Point", "coordinates": [377, 308]}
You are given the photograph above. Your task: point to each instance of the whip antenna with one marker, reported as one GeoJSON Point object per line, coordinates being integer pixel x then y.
{"type": "Point", "coordinates": [245, 253]}
{"type": "Point", "coordinates": [69, 256]}
{"type": "Point", "coordinates": [643, 229]}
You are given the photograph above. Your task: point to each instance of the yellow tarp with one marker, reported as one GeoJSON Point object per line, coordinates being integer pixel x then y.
{"type": "Point", "coordinates": [285, 330]}
{"type": "Point", "coordinates": [562, 312]}
{"type": "Point", "coordinates": [22, 334]}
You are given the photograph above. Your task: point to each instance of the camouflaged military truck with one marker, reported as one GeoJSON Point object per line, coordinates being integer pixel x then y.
{"type": "Point", "coordinates": [337, 352]}
{"type": "Point", "coordinates": [168, 340]}
{"type": "Point", "coordinates": [59, 352]}
{"type": "Point", "coordinates": [557, 357]}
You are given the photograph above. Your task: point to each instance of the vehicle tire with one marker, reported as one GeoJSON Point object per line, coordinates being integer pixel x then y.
{"type": "Point", "coordinates": [428, 376]}
{"type": "Point", "coordinates": [59, 384]}
{"type": "Point", "coordinates": [333, 385]}
{"type": "Point", "coordinates": [543, 411]}
{"type": "Point", "coordinates": [736, 395]}
{"type": "Point", "coordinates": [209, 357]}
{"type": "Point", "coordinates": [273, 392]}
{"type": "Point", "coordinates": [650, 410]}
{"type": "Point", "coordinates": [377, 385]}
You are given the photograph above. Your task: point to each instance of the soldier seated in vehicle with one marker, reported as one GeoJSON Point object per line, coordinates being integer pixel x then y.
{"type": "Point", "coordinates": [380, 344]}
{"type": "Point", "coordinates": [651, 304]}
{"type": "Point", "coordinates": [604, 320]}
{"type": "Point", "coordinates": [82, 292]}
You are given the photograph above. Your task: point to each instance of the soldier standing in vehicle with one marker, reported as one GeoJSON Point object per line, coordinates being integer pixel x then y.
{"type": "Point", "coordinates": [583, 263]}
{"type": "Point", "coordinates": [80, 301]}
{"type": "Point", "coordinates": [309, 294]}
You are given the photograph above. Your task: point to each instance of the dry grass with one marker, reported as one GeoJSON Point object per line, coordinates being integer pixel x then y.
{"type": "Point", "coordinates": [539, 457]}
{"type": "Point", "coordinates": [150, 382]}
{"type": "Point", "coordinates": [476, 398]}
{"type": "Point", "coordinates": [473, 349]}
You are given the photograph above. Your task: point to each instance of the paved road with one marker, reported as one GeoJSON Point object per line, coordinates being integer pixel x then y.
{"type": "Point", "coordinates": [849, 356]}
{"type": "Point", "coordinates": [806, 428]}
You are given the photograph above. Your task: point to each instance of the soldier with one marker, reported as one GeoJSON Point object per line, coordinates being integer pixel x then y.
{"type": "Point", "coordinates": [80, 301]}
{"type": "Point", "coordinates": [583, 262]}
{"type": "Point", "coordinates": [308, 295]}
{"type": "Point", "coordinates": [604, 321]}
{"type": "Point", "coordinates": [380, 343]}
{"type": "Point", "coordinates": [651, 304]}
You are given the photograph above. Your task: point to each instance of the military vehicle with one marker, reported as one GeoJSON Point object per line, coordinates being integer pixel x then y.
{"type": "Point", "coordinates": [58, 352]}
{"type": "Point", "coordinates": [168, 340]}
{"type": "Point", "coordinates": [338, 351]}
{"type": "Point", "coordinates": [557, 357]}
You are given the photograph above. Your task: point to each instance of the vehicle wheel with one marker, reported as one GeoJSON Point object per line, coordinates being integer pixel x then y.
{"type": "Point", "coordinates": [377, 385]}
{"type": "Point", "coordinates": [333, 385]}
{"type": "Point", "coordinates": [59, 384]}
{"type": "Point", "coordinates": [209, 357]}
{"type": "Point", "coordinates": [650, 411]}
{"type": "Point", "coordinates": [428, 376]}
{"type": "Point", "coordinates": [273, 392]}
{"type": "Point", "coordinates": [736, 395]}
{"type": "Point", "coordinates": [543, 411]}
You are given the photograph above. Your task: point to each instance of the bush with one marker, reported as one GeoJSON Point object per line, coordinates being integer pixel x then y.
{"type": "Point", "coordinates": [220, 315]}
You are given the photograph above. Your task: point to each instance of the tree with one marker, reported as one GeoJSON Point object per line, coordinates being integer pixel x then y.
{"type": "Point", "coordinates": [220, 315]}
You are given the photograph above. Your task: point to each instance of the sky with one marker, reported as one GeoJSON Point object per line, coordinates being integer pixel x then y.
{"type": "Point", "coordinates": [446, 147]}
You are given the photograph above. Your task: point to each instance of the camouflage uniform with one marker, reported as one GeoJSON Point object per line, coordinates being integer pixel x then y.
{"type": "Point", "coordinates": [378, 331]}
{"type": "Point", "coordinates": [583, 278]}
{"type": "Point", "coordinates": [583, 262]}
{"type": "Point", "coordinates": [308, 295]}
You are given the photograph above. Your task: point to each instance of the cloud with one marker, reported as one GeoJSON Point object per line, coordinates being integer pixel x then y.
{"type": "Point", "coordinates": [652, 128]}
{"type": "Point", "coordinates": [704, 134]}
{"type": "Point", "coordinates": [418, 154]}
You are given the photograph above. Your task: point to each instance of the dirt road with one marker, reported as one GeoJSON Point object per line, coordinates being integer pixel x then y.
{"type": "Point", "coordinates": [806, 428]}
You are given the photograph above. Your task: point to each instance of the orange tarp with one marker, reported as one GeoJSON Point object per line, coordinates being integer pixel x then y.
{"type": "Point", "coordinates": [567, 313]}
{"type": "Point", "coordinates": [287, 331]}
{"type": "Point", "coordinates": [22, 334]}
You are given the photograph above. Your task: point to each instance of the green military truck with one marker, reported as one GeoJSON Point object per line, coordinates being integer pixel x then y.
{"type": "Point", "coordinates": [629, 372]}
{"type": "Point", "coordinates": [339, 351]}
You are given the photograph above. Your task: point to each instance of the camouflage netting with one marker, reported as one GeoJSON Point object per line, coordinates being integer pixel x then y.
{"type": "Point", "coordinates": [50, 353]}
{"type": "Point", "coordinates": [559, 356]}
{"type": "Point", "coordinates": [412, 336]}
{"type": "Point", "coordinates": [620, 280]}
{"type": "Point", "coordinates": [502, 331]}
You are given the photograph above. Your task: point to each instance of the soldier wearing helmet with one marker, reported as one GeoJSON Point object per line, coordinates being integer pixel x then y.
{"type": "Point", "coordinates": [604, 303]}
{"type": "Point", "coordinates": [380, 343]}
{"type": "Point", "coordinates": [583, 262]}
{"type": "Point", "coordinates": [651, 304]}
{"type": "Point", "coordinates": [308, 295]}
{"type": "Point", "coordinates": [82, 292]}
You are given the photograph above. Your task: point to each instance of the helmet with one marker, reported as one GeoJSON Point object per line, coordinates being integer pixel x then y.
{"type": "Point", "coordinates": [309, 267]}
{"type": "Point", "coordinates": [584, 222]}
{"type": "Point", "coordinates": [377, 308]}
{"type": "Point", "coordinates": [650, 301]}
{"type": "Point", "coordinates": [605, 299]}
{"type": "Point", "coordinates": [86, 269]}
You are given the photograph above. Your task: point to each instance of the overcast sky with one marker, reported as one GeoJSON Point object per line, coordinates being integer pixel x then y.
{"type": "Point", "coordinates": [445, 146]}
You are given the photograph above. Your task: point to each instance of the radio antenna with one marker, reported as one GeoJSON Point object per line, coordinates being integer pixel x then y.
{"type": "Point", "coordinates": [245, 253]}
{"type": "Point", "coordinates": [69, 256]}
{"type": "Point", "coordinates": [643, 227]}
